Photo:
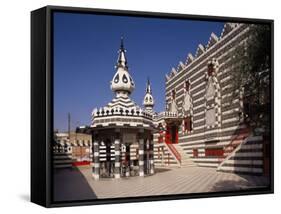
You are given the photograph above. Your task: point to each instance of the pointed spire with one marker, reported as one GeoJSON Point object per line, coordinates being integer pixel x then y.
{"type": "Point", "coordinates": [148, 100]}
{"type": "Point", "coordinates": [148, 87]}
{"type": "Point", "coordinates": [122, 61]}
{"type": "Point", "coordinates": [122, 43]}
{"type": "Point", "coordinates": [122, 82]}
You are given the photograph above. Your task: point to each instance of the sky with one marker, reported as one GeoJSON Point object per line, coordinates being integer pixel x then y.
{"type": "Point", "coordinates": [86, 49]}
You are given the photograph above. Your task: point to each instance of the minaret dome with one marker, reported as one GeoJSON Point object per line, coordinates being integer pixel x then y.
{"type": "Point", "coordinates": [122, 82]}
{"type": "Point", "coordinates": [148, 100]}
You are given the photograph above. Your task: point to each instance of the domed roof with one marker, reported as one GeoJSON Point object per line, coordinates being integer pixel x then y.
{"type": "Point", "coordinates": [122, 111]}
{"type": "Point", "coordinates": [122, 80]}
{"type": "Point", "coordinates": [148, 100]}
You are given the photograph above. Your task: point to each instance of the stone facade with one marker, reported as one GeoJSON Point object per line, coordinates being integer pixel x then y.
{"type": "Point", "coordinates": [122, 132]}
{"type": "Point", "coordinates": [200, 113]}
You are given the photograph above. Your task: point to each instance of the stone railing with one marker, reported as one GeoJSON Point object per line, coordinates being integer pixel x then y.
{"type": "Point", "coordinates": [165, 114]}
{"type": "Point", "coordinates": [119, 111]}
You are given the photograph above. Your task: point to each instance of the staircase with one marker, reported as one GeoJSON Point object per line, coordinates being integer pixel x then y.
{"type": "Point", "coordinates": [173, 152]}
{"type": "Point", "coordinates": [245, 158]}
{"type": "Point", "coordinates": [236, 140]}
{"type": "Point", "coordinates": [185, 159]}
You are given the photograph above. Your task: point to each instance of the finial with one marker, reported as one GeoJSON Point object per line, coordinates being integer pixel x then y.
{"type": "Point", "coordinates": [122, 58]}
{"type": "Point", "coordinates": [148, 100]}
{"type": "Point", "coordinates": [122, 81]}
{"type": "Point", "coordinates": [122, 43]}
{"type": "Point", "coordinates": [148, 88]}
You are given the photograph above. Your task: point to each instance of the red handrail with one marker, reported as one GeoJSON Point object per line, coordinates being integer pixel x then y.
{"type": "Point", "coordinates": [175, 152]}
{"type": "Point", "coordinates": [239, 136]}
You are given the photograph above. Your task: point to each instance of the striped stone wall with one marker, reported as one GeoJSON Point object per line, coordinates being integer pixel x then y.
{"type": "Point", "coordinates": [247, 158]}
{"type": "Point", "coordinates": [62, 156]}
{"type": "Point", "coordinates": [163, 158]}
{"type": "Point", "coordinates": [227, 119]}
{"type": "Point", "coordinates": [102, 153]}
{"type": "Point", "coordinates": [227, 111]}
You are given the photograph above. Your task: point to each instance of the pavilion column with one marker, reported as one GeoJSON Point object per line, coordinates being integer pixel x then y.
{"type": "Point", "coordinates": [141, 154]}
{"type": "Point", "coordinates": [117, 143]}
{"type": "Point", "coordinates": [147, 157]}
{"type": "Point", "coordinates": [128, 166]}
{"type": "Point", "coordinates": [96, 161]}
{"type": "Point", "coordinates": [151, 159]}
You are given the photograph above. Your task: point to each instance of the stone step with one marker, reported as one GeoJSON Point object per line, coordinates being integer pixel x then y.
{"type": "Point", "coordinates": [187, 162]}
{"type": "Point", "coordinates": [185, 159]}
{"type": "Point", "coordinates": [188, 165]}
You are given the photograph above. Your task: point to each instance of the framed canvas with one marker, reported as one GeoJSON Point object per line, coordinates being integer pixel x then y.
{"type": "Point", "coordinates": [141, 106]}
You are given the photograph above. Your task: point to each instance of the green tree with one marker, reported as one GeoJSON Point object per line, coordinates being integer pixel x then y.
{"type": "Point", "coordinates": [252, 74]}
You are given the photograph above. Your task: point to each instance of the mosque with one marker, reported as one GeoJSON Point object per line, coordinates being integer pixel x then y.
{"type": "Point", "coordinates": [200, 127]}
{"type": "Point", "coordinates": [122, 131]}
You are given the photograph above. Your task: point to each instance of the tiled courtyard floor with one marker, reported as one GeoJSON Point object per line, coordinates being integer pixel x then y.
{"type": "Point", "coordinates": [77, 184]}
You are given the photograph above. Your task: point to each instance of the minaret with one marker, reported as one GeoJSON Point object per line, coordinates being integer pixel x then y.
{"type": "Point", "coordinates": [148, 100]}
{"type": "Point", "coordinates": [122, 83]}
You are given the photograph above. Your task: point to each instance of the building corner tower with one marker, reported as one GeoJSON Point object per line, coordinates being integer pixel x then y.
{"type": "Point", "coordinates": [148, 101]}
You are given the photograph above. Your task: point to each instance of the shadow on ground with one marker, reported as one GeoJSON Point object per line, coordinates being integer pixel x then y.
{"type": "Point", "coordinates": [246, 182]}
{"type": "Point", "coordinates": [160, 170]}
{"type": "Point", "coordinates": [229, 185]}
{"type": "Point", "coordinates": [260, 181]}
{"type": "Point", "coordinates": [70, 184]}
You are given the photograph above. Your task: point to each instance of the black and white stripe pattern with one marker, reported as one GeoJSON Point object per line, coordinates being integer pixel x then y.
{"type": "Point", "coordinates": [141, 157]}
{"type": "Point", "coordinates": [62, 155]}
{"type": "Point", "coordinates": [163, 157]}
{"type": "Point", "coordinates": [122, 102]}
{"type": "Point", "coordinates": [151, 157]}
{"type": "Point", "coordinates": [103, 153]}
{"type": "Point", "coordinates": [96, 162]}
{"type": "Point", "coordinates": [117, 158]}
{"type": "Point", "coordinates": [227, 110]}
{"type": "Point", "coordinates": [122, 111]}
{"type": "Point", "coordinates": [246, 158]}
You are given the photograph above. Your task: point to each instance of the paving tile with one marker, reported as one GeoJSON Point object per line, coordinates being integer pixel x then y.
{"type": "Point", "coordinates": [78, 183]}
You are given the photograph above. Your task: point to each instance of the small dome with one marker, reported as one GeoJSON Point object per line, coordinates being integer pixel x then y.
{"type": "Point", "coordinates": [148, 100]}
{"type": "Point", "coordinates": [122, 81]}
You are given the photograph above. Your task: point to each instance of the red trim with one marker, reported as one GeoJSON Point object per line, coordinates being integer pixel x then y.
{"type": "Point", "coordinates": [195, 153]}
{"type": "Point", "coordinates": [81, 163]}
{"type": "Point", "coordinates": [168, 135]}
{"type": "Point", "coordinates": [177, 136]}
{"type": "Point", "coordinates": [175, 152]}
{"type": "Point", "coordinates": [218, 152]}
{"type": "Point", "coordinates": [237, 139]}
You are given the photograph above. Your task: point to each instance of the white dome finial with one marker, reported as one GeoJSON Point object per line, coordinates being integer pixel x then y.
{"type": "Point", "coordinates": [122, 83]}
{"type": "Point", "coordinates": [148, 100]}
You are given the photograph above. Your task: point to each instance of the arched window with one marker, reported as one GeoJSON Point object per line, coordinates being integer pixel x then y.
{"type": "Point", "coordinates": [188, 124]}
{"type": "Point", "coordinates": [173, 94]}
{"type": "Point", "coordinates": [187, 109]}
{"type": "Point", "coordinates": [210, 117]}
{"type": "Point", "coordinates": [173, 105]}
{"type": "Point", "coordinates": [211, 69]}
{"type": "Point", "coordinates": [187, 102]}
{"type": "Point", "coordinates": [210, 93]}
{"type": "Point", "coordinates": [187, 86]}
{"type": "Point", "coordinates": [212, 97]}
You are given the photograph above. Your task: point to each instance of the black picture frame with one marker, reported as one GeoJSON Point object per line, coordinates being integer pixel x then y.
{"type": "Point", "coordinates": [42, 105]}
